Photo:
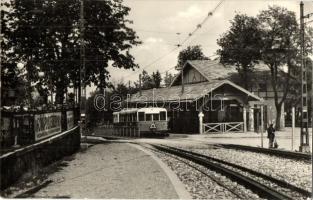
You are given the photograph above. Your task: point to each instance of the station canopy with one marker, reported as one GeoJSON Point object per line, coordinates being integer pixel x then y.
{"type": "Point", "coordinates": [192, 92]}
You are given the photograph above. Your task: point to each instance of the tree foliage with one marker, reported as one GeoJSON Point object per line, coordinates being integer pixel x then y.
{"type": "Point", "coordinates": [156, 79]}
{"type": "Point", "coordinates": [273, 37]}
{"type": "Point", "coordinates": [240, 46]}
{"type": "Point", "coordinates": [168, 78]}
{"type": "Point", "coordinates": [190, 53]}
{"type": "Point", "coordinates": [45, 35]}
{"type": "Point", "coordinates": [280, 47]}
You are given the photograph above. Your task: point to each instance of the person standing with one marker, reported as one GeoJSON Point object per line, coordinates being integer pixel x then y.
{"type": "Point", "coordinates": [271, 135]}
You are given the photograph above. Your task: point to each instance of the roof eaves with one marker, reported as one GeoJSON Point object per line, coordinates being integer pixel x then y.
{"type": "Point", "coordinates": [243, 90]}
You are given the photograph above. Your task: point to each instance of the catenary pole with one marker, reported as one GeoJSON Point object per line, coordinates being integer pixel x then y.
{"type": "Point", "coordinates": [304, 131]}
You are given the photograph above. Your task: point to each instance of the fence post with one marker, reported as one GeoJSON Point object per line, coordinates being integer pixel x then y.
{"type": "Point", "coordinates": [262, 126]}
{"type": "Point", "coordinates": [244, 112]}
{"type": "Point", "coordinates": [201, 122]}
{"type": "Point", "coordinates": [293, 127]}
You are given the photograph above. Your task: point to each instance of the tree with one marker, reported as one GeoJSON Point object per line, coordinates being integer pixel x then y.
{"type": "Point", "coordinates": [240, 46]}
{"type": "Point", "coordinates": [157, 79]}
{"type": "Point", "coordinates": [146, 80]}
{"type": "Point", "coordinates": [280, 39]}
{"type": "Point", "coordinates": [168, 79]}
{"type": "Point", "coordinates": [12, 83]}
{"type": "Point", "coordinates": [191, 53]}
{"type": "Point", "coordinates": [46, 36]}
{"type": "Point", "coordinates": [122, 90]}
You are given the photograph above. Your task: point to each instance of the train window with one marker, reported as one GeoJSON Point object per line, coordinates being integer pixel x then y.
{"type": "Point", "coordinates": [156, 117]}
{"type": "Point", "coordinates": [148, 117]}
{"type": "Point", "coordinates": [141, 116]}
{"type": "Point", "coordinates": [162, 115]}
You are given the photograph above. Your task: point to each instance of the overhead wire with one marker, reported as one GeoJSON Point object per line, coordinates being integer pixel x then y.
{"type": "Point", "coordinates": [199, 26]}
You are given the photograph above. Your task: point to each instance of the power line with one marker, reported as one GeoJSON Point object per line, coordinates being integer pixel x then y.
{"type": "Point", "coordinates": [163, 72]}
{"type": "Point", "coordinates": [156, 60]}
{"type": "Point", "coordinates": [187, 38]}
{"type": "Point", "coordinates": [202, 23]}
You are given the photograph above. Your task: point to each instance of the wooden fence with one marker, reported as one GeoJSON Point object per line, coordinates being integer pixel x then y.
{"type": "Point", "coordinates": [118, 130]}
{"type": "Point", "coordinates": [223, 127]}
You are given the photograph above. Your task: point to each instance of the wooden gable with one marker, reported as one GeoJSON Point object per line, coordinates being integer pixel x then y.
{"type": "Point", "coordinates": [191, 75]}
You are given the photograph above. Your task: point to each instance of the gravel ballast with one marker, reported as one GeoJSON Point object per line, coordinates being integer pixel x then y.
{"type": "Point", "coordinates": [295, 172]}
{"type": "Point", "coordinates": [203, 186]}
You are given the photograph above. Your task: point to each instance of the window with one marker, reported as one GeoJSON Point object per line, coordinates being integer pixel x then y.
{"type": "Point", "coordinates": [148, 117]}
{"type": "Point", "coordinates": [156, 117]}
{"type": "Point", "coordinates": [162, 115]}
{"type": "Point", "coordinates": [141, 116]}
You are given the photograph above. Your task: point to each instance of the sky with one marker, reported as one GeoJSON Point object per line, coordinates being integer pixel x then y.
{"type": "Point", "coordinates": [162, 24]}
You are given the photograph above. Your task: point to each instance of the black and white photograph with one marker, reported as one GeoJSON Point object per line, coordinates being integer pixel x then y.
{"type": "Point", "coordinates": [156, 99]}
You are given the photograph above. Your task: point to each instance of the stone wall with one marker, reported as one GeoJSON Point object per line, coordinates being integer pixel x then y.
{"type": "Point", "coordinates": [32, 157]}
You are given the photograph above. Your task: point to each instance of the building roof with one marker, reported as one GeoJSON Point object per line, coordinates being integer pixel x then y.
{"type": "Point", "coordinates": [149, 110]}
{"type": "Point", "coordinates": [214, 70]}
{"type": "Point", "coordinates": [192, 92]}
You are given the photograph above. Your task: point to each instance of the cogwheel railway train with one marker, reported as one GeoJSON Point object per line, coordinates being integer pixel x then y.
{"type": "Point", "coordinates": [151, 122]}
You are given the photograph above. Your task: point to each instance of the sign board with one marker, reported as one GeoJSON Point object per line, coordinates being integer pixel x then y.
{"type": "Point", "coordinates": [70, 119]}
{"type": "Point", "coordinates": [46, 125]}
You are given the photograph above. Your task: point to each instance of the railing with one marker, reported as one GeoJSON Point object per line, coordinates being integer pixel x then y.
{"type": "Point", "coordinates": [223, 127]}
{"type": "Point", "coordinates": [127, 131]}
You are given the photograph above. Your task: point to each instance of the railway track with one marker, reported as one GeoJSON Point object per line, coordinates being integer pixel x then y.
{"type": "Point", "coordinates": [261, 184]}
{"type": "Point", "coordinates": [274, 152]}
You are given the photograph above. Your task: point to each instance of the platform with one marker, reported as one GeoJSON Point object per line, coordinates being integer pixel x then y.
{"type": "Point", "coordinates": [112, 170]}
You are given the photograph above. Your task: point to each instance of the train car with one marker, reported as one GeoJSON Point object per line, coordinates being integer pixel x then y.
{"type": "Point", "coordinates": [151, 122]}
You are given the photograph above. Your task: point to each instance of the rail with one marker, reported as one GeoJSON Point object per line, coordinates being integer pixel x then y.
{"type": "Point", "coordinates": [279, 182]}
{"type": "Point", "coordinates": [223, 127]}
{"type": "Point", "coordinates": [274, 152]}
{"type": "Point", "coordinates": [262, 190]}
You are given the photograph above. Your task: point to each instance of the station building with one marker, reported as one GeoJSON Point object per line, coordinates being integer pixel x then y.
{"type": "Point", "coordinates": [206, 97]}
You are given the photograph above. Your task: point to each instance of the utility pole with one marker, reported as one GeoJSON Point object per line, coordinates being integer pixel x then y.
{"type": "Point", "coordinates": [0, 73]}
{"type": "Point", "coordinates": [304, 131]}
{"type": "Point", "coordinates": [82, 59]}
{"type": "Point", "coordinates": [182, 80]}
{"type": "Point", "coordinates": [140, 84]}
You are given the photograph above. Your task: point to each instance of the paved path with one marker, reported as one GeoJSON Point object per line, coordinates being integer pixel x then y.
{"type": "Point", "coordinates": [284, 138]}
{"type": "Point", "coordinates": [111, 170]}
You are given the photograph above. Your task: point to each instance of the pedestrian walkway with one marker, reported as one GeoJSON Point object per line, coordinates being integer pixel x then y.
{"type": "Point", "coordinates": [284, 139]}
{"type": "Point", "coordinates": [111, 170]}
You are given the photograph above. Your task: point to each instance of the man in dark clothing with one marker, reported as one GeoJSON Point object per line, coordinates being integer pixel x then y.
{"type": "Point", "coordinates": [271, 135]}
